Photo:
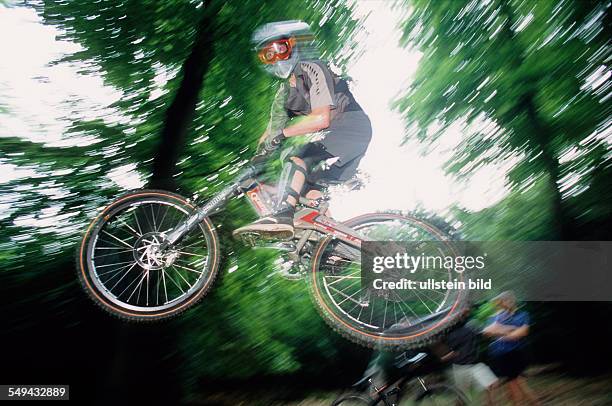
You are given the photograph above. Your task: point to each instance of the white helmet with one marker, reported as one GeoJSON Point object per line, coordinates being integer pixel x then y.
{"type": "Point", "coordinates": [281, 45]}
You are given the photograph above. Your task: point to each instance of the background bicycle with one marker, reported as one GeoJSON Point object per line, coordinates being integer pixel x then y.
{"type": "Point", "coordinates": [413, 378]}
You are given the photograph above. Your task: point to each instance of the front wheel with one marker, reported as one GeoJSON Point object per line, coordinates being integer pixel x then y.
{"type": "Point", "coordinates": [122, 270]}
{"type": "Point", "coordinates": [388, 319]}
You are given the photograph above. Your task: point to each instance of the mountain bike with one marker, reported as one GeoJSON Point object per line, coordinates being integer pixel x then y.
{"type": "Point", "coordinates": [416, 385]}
{"type": "Point", "coordinates": [152, 254]}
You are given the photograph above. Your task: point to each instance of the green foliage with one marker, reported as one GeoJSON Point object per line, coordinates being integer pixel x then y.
{"type": "Point", "coordinates": [526, 79]}
{"type": "Point", "coordinates": [138, 48]}
{"type": "Point", "coordinates": [524, 215]}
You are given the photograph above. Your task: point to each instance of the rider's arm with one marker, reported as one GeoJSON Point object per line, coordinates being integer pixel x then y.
{"type": "Point", "coordinates": [321, 95]}
{"type": "Point", "coordinates": [316, 121]}
{"type": "Point", "coordinates": [522, 327]}
{"type": "Point", "coordinates": [497, 330]}
{"type": "Point", "coordinates": [517, 333]}
{"type": "Point", "coordinates": [263, 137]}
{"type": "Point", "coordinates": [278, 113]}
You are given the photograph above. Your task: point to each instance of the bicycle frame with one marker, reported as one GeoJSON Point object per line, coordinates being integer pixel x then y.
{"type": "Point", "coordinates": [308, 218]}
{"type": "Point", "coordinates": [397, 387]}
{"type": "Point", "coordinates": [383, 393]}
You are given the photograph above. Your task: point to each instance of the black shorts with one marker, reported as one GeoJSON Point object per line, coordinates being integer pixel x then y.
{"type": "Point", "coordinates": [313, 154]}
{"type": "Point", "coordinates": [509, 365]}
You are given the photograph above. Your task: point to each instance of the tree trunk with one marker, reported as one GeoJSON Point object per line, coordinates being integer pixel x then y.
{"type": "Point", "coordinates": [144, 366]}
{"type": "Point", "coordinates": [542, 137]}
{"type": "Point", "coordinates": [540, 134]}
{"type": "Point", "coordinates": [180, 112]}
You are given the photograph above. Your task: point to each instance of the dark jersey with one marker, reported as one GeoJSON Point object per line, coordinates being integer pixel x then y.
{"type": "Point", "coordinates": [315, 86]}
{"type": "Point", "coordinates": [349, 132]}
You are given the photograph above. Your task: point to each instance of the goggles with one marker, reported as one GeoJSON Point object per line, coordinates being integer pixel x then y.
{"type": "Point", "coordinates": [279, 50]}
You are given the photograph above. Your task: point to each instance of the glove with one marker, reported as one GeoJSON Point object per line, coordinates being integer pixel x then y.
{"type": "Point", "coordinates": [272, 143]}
{"type": "Point", "coordinates": [259, 159]}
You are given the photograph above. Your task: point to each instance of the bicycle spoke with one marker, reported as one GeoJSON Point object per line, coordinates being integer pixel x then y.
{"type": "Point", "coordinates": [402, 310]}
{"type": "Point", "coordinates": [385, 314]}
{"type": "Point", "coordinates": [394, 313]}
{"type": "Point", "coordinates": [191, 253]}
{"type": "Point", "coordinates": [128, 286]}
{"type": "Point", "coordinates": [161, 221]}
{"type": "Point", "coordinates": [157, 293]}
{"type": "Point", "coordinates": [341, 278]}
{"type": "Point", "coordinates": [347, 289]}
{"type": "Point", "coordinates": [131, 269]}
{"type": "Point", "coordinates": [153, 218]}
{"type": "Point", "coordinates": [361, 310]}
{"type": "Point", "coordinates": [147, 291]}
{"type": "Point", "coordinates": [137, 222]}
{"type": "Point", "coordinates": [165, 287]}
{"type": "Point", "coordinates": [144, 275]}
{"type": "Point", "coordinates": [112, 253]}
{"type": "Point", "coordinates": [345, 295]}
{"type": "Point", "coordinates": [188, 284]}
{"type": "Point", "coordinates": [144, 214]}
{"type": "Point", "coordinates": [118, 239]}
{"type": "Point", "coordinates": [400, 305]}
{"type": "Point", "coordinates": [124, 275]}
{"type": "Point", "coordinates": [429, 297]}
{"type": "Point", "coordinates": [173, 281]}
{"type": "Point", "coordinates": [113, 270]}
{"type": "Point", "coordinates": [188, 269]}
{"type": "Point", "coordinates": [117, 263]}
{"type": "Point", "coordinates": [123, 223]}
{"type": "Point", "coordinates": [416, 291]}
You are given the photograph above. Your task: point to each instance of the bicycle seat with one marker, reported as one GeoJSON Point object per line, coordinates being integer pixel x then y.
{"type": "Point", "coordinates": [407, 358]}
{"type": "Point", "coordinates": [353, 183]}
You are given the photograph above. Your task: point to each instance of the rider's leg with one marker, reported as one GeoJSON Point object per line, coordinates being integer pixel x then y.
{"type": "Point", "coordinates": [315, 194]}
{"type": "Point", "coordinates": [280, 224]}
{"type": "Point", "coordinates": [293, 177]}
{"type": "Point", "coordinates": [291, 184]}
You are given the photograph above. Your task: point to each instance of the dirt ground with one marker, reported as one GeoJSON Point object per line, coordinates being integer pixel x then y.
{"type": "Point", "coordinates": [552, 388]}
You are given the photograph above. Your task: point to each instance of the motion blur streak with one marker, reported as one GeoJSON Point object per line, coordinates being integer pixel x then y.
{"type": "Point", "coordinates": [505, 118]}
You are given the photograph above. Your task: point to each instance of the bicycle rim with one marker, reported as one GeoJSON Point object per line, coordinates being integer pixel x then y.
{"type": "Point", "coordinates": [368, 317]}
{"type": "Point", "coordinates": [128, 276]}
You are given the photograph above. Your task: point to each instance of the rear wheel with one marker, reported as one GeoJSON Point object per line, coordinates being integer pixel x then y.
{"type": "Point", "coordinates": [393, 320]}
{"type": "Point", "coordinates": [120, 267]}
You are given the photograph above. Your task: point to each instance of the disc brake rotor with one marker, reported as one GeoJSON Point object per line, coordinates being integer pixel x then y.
{"type": "Point", "coordinates": [148, 255]}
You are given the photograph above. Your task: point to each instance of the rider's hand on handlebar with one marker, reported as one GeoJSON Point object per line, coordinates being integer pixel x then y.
{"type": "Point", "coordinates": [269, 145]}
{"type": "Point", "coordinates": [259, 159]}
{"type": "Point", "coordinates": [272, 142]}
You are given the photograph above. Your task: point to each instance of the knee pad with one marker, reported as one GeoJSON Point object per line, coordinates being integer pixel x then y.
{"type": "Point", "coordinates": [284, 184]}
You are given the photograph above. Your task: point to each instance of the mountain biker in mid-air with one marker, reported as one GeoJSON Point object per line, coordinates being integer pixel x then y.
{"type": "Point", "coordinates": [310, 90]}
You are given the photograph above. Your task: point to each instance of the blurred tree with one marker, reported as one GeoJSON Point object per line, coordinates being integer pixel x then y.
{"type": "Point", "coordinates": [536, 71]}
{"type": "Point", "coordinates": [193, 99]}
{"type": "Point", "coordinates": [180, 112]}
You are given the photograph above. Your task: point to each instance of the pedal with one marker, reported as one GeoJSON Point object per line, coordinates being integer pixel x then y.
{"type": "Point", "coordinates": [288, 269]}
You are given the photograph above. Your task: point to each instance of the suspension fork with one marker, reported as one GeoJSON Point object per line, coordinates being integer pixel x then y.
{"type": "Point", "coordinates": [220, 199]}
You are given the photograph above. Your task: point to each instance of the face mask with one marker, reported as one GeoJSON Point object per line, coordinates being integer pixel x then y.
{"type": "Point", "coordinates": [281, 69]}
